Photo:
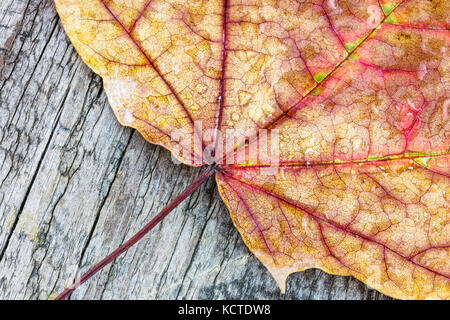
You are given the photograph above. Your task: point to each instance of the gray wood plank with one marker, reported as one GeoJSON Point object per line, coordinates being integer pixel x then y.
{"type": "Point", "coordinates": [74, 185]}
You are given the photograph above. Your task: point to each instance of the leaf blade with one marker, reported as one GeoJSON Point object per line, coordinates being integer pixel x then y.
{"type": "Point", "coordinates": [358, 93]}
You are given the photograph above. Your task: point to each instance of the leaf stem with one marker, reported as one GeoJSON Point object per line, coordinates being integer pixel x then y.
{"type": "Point", "coordinates": [149, 226]}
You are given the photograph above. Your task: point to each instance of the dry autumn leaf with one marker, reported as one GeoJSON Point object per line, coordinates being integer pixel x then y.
{"type": "Point", "coordinates": [325, 122]}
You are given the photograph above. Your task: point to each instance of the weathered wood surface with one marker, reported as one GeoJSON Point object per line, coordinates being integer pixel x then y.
{"type": "Point", "coordinates": [74, 185]}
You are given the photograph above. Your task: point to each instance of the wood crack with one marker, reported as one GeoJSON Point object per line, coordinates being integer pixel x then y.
{"type": "Point", "coordinates": [97, 215]}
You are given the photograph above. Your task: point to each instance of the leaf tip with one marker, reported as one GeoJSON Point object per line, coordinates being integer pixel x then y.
{"type": "Point", "coordinates": [280, 279]}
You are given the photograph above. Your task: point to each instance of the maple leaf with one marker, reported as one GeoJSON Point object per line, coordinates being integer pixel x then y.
{"type": "Point", "coordinates": [353, 95]}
